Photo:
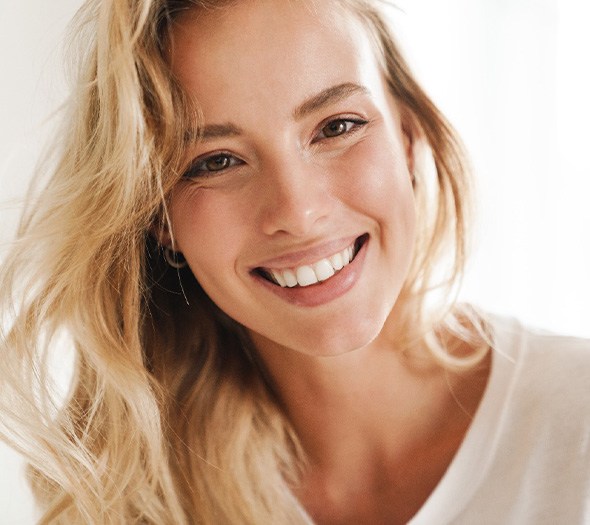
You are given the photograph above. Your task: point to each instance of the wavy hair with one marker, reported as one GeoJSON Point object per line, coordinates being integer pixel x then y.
{"type": "Point", "coordinates": [169, 417]}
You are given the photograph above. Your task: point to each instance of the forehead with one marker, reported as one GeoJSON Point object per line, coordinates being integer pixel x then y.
{"type": "Point", "coordinates": [254, 48]}
{"type": "Point", "coordinates": [246, 18]}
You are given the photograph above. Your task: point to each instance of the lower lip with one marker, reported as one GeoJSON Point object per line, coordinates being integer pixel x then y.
{"type": "Point", "coordinates": [322, 292]}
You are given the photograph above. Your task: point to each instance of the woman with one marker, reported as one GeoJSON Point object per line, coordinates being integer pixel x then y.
{"type": "Point", "coordinates": [241, 239]}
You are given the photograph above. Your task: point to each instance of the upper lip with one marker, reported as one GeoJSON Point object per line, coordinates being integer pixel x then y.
{"type": "Point", "coordinates": [308, 255]}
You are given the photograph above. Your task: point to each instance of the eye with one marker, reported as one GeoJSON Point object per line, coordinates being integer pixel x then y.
{"type": "Point", "coordinates": [211, 164]}
{"type": "Point", "coordinates": [338, 127]}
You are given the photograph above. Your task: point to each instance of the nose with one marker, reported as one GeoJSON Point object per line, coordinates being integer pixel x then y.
{"type": "Point", "coordinates": [296, 199]}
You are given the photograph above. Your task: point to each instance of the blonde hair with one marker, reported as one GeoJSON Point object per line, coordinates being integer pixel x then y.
{"type": "Point", "coordinates": [169, 418]}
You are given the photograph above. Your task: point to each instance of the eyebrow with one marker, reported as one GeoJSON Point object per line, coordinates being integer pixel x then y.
{"type": "Point", "coordinates": [316, 102]}
{"type": "Point", "coordinates": [326, 97]}
{"type": "Point", "coordinates": [213, 131]}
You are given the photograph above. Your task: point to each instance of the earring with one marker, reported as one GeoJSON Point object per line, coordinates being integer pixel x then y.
{"type": "Point", "coordinates": [174, 259]}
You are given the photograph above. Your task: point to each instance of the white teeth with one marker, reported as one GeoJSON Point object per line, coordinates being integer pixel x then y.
{"type": "Point", "coordinates": [345, 254]}
{"type": "Point", "coordinates": [289, 278]}
{"type": "Point", "coordinates": [336, 261]}
{"type": "Point", "coordinates": [323, 269]}
{"type": "Point", "coordinates": [306, 276]}
{"type": "Point", "coordinates": [311, 274]}
{"type": "Point", "coordinates": [278, 277]}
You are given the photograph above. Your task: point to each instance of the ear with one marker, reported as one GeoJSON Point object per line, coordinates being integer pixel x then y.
{"type": "Point", "coordinates": [160, 231]}
{"type": "Point", "coordinates": [409, 135]}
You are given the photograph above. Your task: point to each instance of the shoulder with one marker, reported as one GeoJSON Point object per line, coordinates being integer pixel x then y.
{"type": "Point", "coordinates": [539, 437]}
{"type": "Point", "coordinates": [548, 354]}
{"type": "Point", "coordinates": [546, 374]}
{"type": "Point", "coordinates": [528, 447]}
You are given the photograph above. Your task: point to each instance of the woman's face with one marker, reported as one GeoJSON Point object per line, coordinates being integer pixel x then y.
{"type": "Point", "coordinates": [302, 165]}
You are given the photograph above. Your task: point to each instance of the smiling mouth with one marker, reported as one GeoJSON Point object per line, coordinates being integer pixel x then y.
{"type": "Point", "coordinates": [316, 272]}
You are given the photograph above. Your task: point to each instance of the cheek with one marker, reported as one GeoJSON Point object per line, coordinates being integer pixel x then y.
{"type": "Point", "coordinates": [208, 229]}
{"type": "Point", "coordinates": [377, 181]}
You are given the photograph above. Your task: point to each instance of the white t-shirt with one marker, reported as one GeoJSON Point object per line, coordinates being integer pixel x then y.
{"type": "Point", "coordinates": [526, 457]}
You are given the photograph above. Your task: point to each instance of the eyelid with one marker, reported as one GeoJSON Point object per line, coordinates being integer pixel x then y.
{"type": "Point", "coordinates": [358, 121]}
{"type": "Point", "coordinates": [193, 171]}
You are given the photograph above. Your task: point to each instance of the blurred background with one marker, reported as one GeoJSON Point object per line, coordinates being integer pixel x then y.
{"type": "Point", "coordinates": [513, 76]}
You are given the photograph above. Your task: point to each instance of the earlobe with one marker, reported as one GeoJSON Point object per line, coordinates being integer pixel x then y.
{"type": "Point", "coordinates": [160, 231]}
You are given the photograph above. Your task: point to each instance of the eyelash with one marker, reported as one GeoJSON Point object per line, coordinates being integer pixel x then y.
{"type": "Point", "coordinates": [355, 125]}
{"type": "Point", "coordinates": [199, 168]}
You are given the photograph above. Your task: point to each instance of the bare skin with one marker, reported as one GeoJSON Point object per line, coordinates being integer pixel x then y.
{"type": "Point", "coordinates": [379, 433]}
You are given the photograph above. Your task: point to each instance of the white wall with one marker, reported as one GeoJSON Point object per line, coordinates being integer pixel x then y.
{"type": "Point", "coordinates": [513, 77]}
{"type": "Point", "coordinates": [31, 88]}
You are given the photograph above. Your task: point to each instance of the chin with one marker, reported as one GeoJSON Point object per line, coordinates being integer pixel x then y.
{"type": "Point", "coordinates": [335, 342]}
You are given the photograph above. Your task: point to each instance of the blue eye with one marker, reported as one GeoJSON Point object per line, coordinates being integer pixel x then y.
{"type": "Point", "coordinates": [338, 127]}
{"type": "Point", "coordinates": [211, 165]}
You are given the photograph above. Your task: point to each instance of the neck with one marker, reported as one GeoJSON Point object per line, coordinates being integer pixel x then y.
{"type": "Point", "coordinates": [379, 431]}
{"type": "Point", "coordinates": [370, 400]}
